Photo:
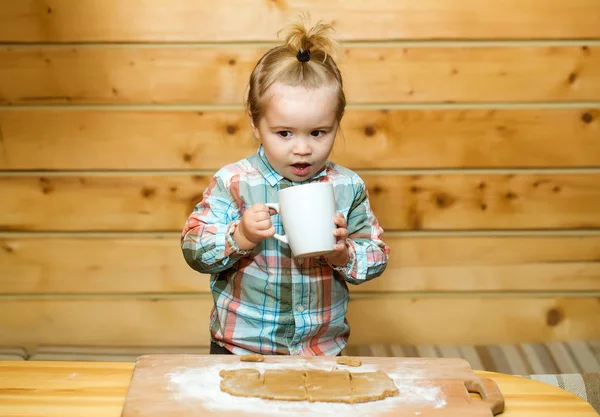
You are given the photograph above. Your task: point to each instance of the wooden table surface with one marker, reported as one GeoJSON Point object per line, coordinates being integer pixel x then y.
{"type": "Point", "coordinates": [65, 389]}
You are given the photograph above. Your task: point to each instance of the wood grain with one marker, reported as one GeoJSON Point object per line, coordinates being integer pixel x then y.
{"type": "Point", "coordinates": [68, 139]}
{"type": "Point", "coordinates": [60, 389]}
{"type": "Point", "coordinates": [119, 202]}
{"type": "Point", "coordinates": [168, 75]}
{"type": "Point", "coordinates": [154, 264]}
{"type": "Point", "coordinates": [63, 389]}
{"type": "Point", "coordinates": [473, 320]}
{"type": "Point", "coordinates": [136, 202]}
{"type": "Point", "coordinates": [463, 201]}
{"type": "Point", "coordinates": [188, 20]}
{"type": "Point", "coordinates": [394, 319]}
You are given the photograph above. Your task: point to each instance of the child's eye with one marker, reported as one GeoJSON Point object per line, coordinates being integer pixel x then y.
{"type": "Point", "coordinates": [285, 134]}
{"type": "Point", "coordinates": [317, 133]}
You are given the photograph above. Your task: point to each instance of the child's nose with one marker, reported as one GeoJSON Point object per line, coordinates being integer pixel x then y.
{"type": "Point", "coordinates": [302, 147]}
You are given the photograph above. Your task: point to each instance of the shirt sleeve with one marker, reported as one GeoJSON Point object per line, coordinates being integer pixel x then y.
{"type": "Point", "coordinates": [368, 252]}
{"type": "Point", "coordinates": [207, 239]}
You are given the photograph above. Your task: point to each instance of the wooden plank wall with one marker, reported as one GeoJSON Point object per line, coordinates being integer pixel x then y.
{"type": "Point", "coordinates": [476, 126]}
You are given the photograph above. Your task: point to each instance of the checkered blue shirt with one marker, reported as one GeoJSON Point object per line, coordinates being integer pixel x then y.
{"type": "Point", "coordinates": [265, 300]}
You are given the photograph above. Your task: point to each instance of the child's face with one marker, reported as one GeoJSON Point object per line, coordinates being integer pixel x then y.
{"type": "Point", "coordinates": [298, 129]}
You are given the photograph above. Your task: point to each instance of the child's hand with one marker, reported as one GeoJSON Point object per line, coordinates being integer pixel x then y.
{"type": "Point", "coordinates": [340, 255]}
{"type": "Point", "coordinates": [255, 227]}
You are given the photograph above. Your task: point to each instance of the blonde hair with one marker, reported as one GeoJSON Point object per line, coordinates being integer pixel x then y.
{"type": "Point", "coordinates": [282, 64]}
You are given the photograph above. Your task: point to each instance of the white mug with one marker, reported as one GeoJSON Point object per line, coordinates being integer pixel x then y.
{"type": "Point", "coordinates": [307, 213]}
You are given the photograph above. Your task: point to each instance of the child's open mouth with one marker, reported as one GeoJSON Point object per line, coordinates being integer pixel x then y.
{"type": "Point", "coordinates": [300, 169]}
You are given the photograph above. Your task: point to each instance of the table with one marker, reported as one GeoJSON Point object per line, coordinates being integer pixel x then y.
{"type": "Point", "coordinates": [98, 389]}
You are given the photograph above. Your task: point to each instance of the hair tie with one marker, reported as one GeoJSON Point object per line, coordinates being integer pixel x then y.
{"type": "Point", "coordinates": [303, 56]}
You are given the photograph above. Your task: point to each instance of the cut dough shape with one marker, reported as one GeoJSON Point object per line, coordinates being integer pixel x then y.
{"type": "Point", "coordinates": [249, 387]}
{"type": "Point", "coordinates": [285, 385]}
{"type": "Point", "coordinates": [328, 386]}
{"type": "Point", "coordinates": [252, 357]}
{"type": "Point", "coordinates": [240, 373]}
{"type": "Point", "coordinates": [372, 386]}
{"type": "Point", "coordinates": [241, 380]}
{"type": "Point", "coordinates": [345, 360]}
{"type": "Point", "coordinates": [311, 385]}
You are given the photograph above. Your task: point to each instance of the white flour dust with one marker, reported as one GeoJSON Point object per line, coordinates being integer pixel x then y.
{"type": "Point", "coordinates": [200, 386]}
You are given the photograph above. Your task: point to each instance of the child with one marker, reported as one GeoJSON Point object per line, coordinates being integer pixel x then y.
{"type": "Point", "coordinates": [266, 301]}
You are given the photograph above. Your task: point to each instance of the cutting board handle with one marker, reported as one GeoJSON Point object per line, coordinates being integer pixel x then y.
{"type": "Point", "coordinates": [489, 391]}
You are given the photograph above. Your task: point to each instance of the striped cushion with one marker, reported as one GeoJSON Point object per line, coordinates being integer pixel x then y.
{"type": "Point", "coordinates": [587, 386]}
{"type": "Point", "coordinates": [516, 359]}
{"type": "Point", "coordinates": [10, 357]}
{"type": "Point", "coordinates": [13, 354]}
{"type": "Point", "coordinates": [107, 353]}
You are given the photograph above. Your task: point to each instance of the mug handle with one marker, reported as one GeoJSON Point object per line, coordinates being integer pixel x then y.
{"type": "Point", "coordinates": [281, 238]}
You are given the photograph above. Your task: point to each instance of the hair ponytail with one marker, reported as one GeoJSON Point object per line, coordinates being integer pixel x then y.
{"type": "Point", "coordinates": [304, 59]}
{"type": "Point", "coordinates": [315, 39]}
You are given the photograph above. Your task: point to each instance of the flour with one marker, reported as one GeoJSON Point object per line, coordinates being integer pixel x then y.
{"type": "Point", "coordinates": [200, 386]}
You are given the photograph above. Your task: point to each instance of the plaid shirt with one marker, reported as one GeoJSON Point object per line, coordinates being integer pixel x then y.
{"type": "Point", "coordinates": [265, 300]}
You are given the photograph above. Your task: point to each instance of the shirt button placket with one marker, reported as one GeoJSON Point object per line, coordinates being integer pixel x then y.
{"type": "Point", "coordinates": [296, 349]}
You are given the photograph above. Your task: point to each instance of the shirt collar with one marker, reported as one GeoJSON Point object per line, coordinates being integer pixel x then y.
{"type": "Point", "coordinates": [273, 177]}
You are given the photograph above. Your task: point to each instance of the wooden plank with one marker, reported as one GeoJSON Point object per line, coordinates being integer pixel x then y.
{"type": "Point", "coordinates": [166, 75]}
{"type": "Point", "coordinates": [65, 139]}
{"type": "Point", "coordinates": [82, 139]}
{"type": "Point", "coordinates": [108, 202]}
{"type": "Point", "coordinates": [488, 263]}
{"type": "Point", "coordinates": [97, 265]}
{"type": "Point", "coordinates": [129, 265]}
{"type": "Point", "coordinates": [119, 202]}
{"type": "Point", "coordinates": [188, 20]}
{"type": "Point", "coordinates": [397, 320]}
{"type": "Point", "coordinates": [464, 201]}
{"type": "Point", "coordinates": [473, 320]}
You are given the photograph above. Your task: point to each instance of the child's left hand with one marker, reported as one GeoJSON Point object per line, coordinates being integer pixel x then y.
{"type": "Point", "coordinates": [340, 256]}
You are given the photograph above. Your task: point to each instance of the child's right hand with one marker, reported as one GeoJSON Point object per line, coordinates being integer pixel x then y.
{"type": "Point", "coordinates": [255, 227]}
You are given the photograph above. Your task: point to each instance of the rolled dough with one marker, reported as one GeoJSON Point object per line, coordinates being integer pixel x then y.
{"type": "Point", "coordinates": [308, 385]}
{"type": "Point", "coordinates": [344, 360]}
{"type": "Point", "coordinates": [252, 357]}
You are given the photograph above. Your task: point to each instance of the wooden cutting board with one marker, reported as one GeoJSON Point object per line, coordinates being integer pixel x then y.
{"type": "Point", "coordinates": [189, 386]}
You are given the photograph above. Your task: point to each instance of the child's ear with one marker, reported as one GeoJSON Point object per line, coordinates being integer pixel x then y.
{"type": "Point", "coordinates": [254, 128]}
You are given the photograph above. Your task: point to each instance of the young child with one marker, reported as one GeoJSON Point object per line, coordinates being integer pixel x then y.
{"type": "Point", "coordinates": [266, 301]}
